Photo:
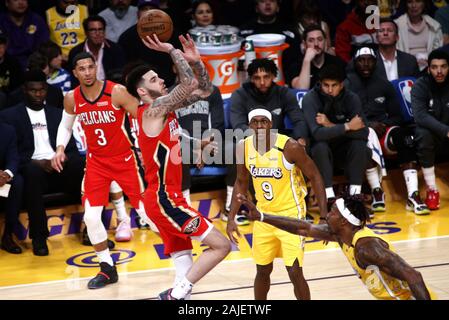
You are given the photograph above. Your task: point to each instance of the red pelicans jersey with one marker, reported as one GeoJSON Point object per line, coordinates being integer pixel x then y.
{"type": "Point", "coordinates": [102, 122]}
{"type": "Point", "coordinates": [162, 155]}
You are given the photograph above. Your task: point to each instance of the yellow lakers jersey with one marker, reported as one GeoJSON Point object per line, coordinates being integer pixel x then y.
{"type": "Point", "coordinates": [67, 32]}
{"type": "Point", "coordinates": [279, 185]}
{"type": "Point", "coordinates": [378, 283]}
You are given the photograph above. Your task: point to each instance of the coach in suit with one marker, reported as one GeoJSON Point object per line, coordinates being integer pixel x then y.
{"type": "Point", "coordinates": [36, 127]}
{"type": "Point", "coordinates": [9, 165]}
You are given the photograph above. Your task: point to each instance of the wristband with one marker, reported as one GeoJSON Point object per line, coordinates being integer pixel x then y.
{"type": "Point", "coordinates": [261, 216]}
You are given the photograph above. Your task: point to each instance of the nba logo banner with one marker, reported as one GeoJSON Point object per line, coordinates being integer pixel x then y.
{"type": "Point", "coordinates": [299, 95]}
{"type": "Point", "coordinates": [403, 88]}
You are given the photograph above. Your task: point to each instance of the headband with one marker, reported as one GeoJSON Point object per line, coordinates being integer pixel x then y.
{"type": "Point", "coordinates": [259, 112]}
{"type": "Point", "coordinates": [346, 213]}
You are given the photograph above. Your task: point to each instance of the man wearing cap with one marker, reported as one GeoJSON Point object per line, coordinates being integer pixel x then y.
{"type": "Point", "coordinates": [380, 105]}
{"type": "Point", "coordinates": [276, 164]}
{"type": "Point", "coordinates": [430, 104]}
{"type": "Point", "coordinates": [262, 92]}
{"type": "Point", "coordinates": [384, 273]}
{"type": "Point", "coordinates": [10, 71]}
{"type": "Point", "coordinates": [338, 130]}
{"type": "Point", "coordinates": [135, 50]}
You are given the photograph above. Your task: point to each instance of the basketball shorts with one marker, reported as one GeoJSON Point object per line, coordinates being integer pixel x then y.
{"type": "Point", "coordinates": [178, 223]}
{"type": "Point", "coordinates": [101, 171]}
{"type": "Point", "coordinates": [270, 242]}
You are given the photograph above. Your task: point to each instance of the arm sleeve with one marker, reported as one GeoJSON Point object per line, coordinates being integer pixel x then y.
{"type": "Point", "coordinates": [65, 129]}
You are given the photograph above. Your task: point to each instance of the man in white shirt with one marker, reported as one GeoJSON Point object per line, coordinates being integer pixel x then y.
{"type": "Point", "coordinates": [36, 125]}
{"type": "Point", "coordinates": [119, 17]}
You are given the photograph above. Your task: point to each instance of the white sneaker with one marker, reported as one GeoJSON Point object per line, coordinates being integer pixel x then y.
{"type": "Point", "coordinates": [123, 232]}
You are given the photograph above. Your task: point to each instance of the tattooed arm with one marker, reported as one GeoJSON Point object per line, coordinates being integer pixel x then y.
{"type": "Point", "coordinates": [373, 251]}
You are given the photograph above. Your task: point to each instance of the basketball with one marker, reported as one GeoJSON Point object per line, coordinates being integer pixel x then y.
{"type": "Point", "coordinates": [155, 21]}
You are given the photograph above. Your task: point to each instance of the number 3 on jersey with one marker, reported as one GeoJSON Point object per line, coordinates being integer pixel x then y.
{"type": "Point", "coordinates": [268, 191]}
{"type": "Point", "coordinates": [101, 138]}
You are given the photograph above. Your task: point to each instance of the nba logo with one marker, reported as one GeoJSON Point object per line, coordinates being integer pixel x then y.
{"type": "Point", "coordinates": [403, 88]}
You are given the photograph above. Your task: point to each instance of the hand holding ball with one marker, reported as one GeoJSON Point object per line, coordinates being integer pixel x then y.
{"type": "Point", "coordinates": [157, 22]}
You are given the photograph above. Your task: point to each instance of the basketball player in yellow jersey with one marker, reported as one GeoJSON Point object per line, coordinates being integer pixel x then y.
{"type": "Point", "coordinates": [65, 23]}
{"type": "Point", "coordinates": [385, 274]}
{"type": "Point", "coordinates": [275, 163]}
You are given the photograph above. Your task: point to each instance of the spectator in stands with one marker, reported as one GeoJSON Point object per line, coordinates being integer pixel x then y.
{"type": "Point", "coordinates": [338, 130]}
{"type": "Point", "coordinates": [202, 13]}
{"type": "Point", "coordinates": [64, 21]}
{"type": "Point", "coordinates": [54, 95]}
{"type": "Point", "coordinates": [381, 108]}
{"type": "Point", "coordinates": [267, 21]}
{"type": "Point", "coordinates": [315, 59]}
{"type": "Point", "coordinates": [353, 32]}
{"type": "Point", "coordinates": [391, 63]}
{"type": "Point", "coordinates": [262, 92]}
{"type": "Point", "coordinates": [10, 71]}
{"type": "Point", "coordinates": [430, 98]}
{"type": "Point", "coordinates": [24, 29]}
{"type": "Point", "coordinates": [120, 16]}
{"type": "Point", "coordinates": [108, 55]}
{"type": "Point", "coordinates": [308, 14]}
{"type": "Point", "coordinates": [442, 16]}
{"type": "Point", "coordinates": [56, 76]}
{"type": "Point", "coordinates": [419, 33]}
{"type": "Point", "coordinates": [36, 125]}
{"type": "Point", "coordinates": [135, 49]}
{"type": "Point", "coordinates": [9, 176]}
{"type": "Point", "coordinates": [335, 12]}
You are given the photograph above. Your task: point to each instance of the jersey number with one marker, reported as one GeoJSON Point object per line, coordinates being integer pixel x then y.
{"type": "Point", "coordinates": [268, 191]}
{"type": "Point", "coordinates": [66, 38]}
{"type": "Point", "coordinates": [101, 138]}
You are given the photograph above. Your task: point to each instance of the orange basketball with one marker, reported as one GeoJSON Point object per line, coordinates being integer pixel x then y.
{"type": "Point", "coordinates": [155, 21]}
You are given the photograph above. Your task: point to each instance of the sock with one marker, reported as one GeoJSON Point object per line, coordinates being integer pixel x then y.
{"type": "Point", "coordinates": [411, 181]}
{"type": "Point", "coordinates": [105, 256]}
{"type": "Point", "coordinates": [429, 177]}
{"type": "Point", "coordinates": [186, 195]}
{"type": "Point", "coordinates": [120, 209]}
{"type": "Point", "coordinates": [372, 175]}
{"type": "Point", "coordinates": [183, 262]}
{"type": "Point", "coordinates": [355, 189]}
{"type": "Point", "coordinates": [182, 289]}
{"type": "Point", "coordinates": [229, 191]}
{"type": "Point", "coordinates": [330, 193]}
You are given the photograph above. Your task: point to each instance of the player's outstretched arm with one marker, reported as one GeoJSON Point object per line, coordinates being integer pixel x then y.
{"type": "Point", "coordinates": [64, 131]}
{"type": "Point", "coordinates": [371, 251]}
{"type": "Point", "coordinates": [295, 226]}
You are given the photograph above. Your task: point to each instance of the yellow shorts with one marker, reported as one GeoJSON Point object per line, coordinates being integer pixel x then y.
{"type": "Point", "coordinates": [270, 242]}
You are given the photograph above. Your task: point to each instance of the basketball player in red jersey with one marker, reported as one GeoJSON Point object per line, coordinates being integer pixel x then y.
{"type": "Point", "coordinates": [158, 136]}
{"type": "Point", "coordinates": [101, 107]}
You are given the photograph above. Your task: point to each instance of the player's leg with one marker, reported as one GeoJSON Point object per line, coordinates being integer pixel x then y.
{"type": "Point", "coordinates": [123, 231]}
{"type": "Point", "coordinates": [262, 281]}
{"type": "Point", "coordinates": [301, 288]}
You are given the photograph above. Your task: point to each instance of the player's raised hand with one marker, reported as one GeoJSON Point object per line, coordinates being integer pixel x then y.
{"type": "Point", "coordinates": [154, 43]}
{"type": "Point", "coordinates": [58, 160]}
{"type": "Point", "coordinates": [189, 50]}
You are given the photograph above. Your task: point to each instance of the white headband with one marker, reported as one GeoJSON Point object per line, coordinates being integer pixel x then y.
{"type": "Point", "coordinates": [259, 112]}
{"type": "Point", "coordinates": [346, 213]}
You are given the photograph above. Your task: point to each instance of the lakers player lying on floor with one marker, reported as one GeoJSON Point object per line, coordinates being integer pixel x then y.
{"type": "Point", "coordinates": [386, 275]}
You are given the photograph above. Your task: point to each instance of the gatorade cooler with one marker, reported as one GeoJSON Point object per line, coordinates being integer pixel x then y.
{"type": "Point", "coordinates": [271, 46]}
{"type": "Point", "coordinates": [221, 63]}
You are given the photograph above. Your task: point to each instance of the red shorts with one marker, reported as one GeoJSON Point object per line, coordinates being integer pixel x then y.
{"type": "Point", "coordinates": [101, 171]}
{"type": "Point", "coordinates": [177, 222]}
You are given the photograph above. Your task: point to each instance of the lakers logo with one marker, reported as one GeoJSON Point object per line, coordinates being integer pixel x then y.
{"type": "Point", "coordinates": [192, 226]}
{"type": "Point", "coordinates": [90, 259]}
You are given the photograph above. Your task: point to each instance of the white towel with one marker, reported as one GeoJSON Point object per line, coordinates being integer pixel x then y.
{"type": "Point", "coordinates": [377, 155]}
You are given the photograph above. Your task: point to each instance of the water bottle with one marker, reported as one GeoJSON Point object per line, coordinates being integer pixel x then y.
{"type": "Point", "coordinates": [250, 54]}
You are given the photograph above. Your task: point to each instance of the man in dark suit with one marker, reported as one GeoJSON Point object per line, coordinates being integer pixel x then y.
{"type": "Point", "coordinates": [36, 127]}
{"type": "Point", "coordinates": [9, 165]}
{"type": "Point", "coordinates": [109, 55]}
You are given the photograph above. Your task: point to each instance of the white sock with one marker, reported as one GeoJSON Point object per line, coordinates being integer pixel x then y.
{"type": "Point", "coordinates": [105, 256]}
{"type": "Point", "coordinates": [330, 193]}
{"type": "Point", "coordinates": [120, 209]}
{"type": "Point", "coordinates": [372, 175]}
{"type": "Point", "coordinates": [183, 262]}
{"type": "Point", "coordinates": [186, 195]}
{"type": "Point", "coordinates": [229, 191]}
{"type": "Point", "coordinates": [429, 177]}
{"type": "Point", "coordinates": [411, 181]}
{"type": "Point", "coordinates": [355, 189]}
{"type": "Point", "coordinates": [182, 289]}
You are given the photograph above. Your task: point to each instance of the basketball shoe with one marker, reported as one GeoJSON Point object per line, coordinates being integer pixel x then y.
{"type": "Point", "coordinates": [415, 204]}
{"type": "Point", "coordinates": [433, 199]}
{"type": "Point", "coordinates": [123, 232]}
{"type": "Point", "coordinates": [107, 275]}
{"type": "Point", "coordinates": [378, 204]}
{"type": "Point", "coordinates": [166, 295]}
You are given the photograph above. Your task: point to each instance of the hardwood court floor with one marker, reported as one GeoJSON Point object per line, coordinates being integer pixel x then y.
{"type": "Point", "coordinates": [144, 271]}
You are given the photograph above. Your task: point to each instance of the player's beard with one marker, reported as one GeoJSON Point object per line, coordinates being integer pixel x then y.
{"type": "Point", "coordinates": [154, 94]}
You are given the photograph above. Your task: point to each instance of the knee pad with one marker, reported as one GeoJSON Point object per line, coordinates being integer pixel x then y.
{"type": "Point", "coordinates": [114, 187]}
{"type": "Point", "coordinates": [95, 228]}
